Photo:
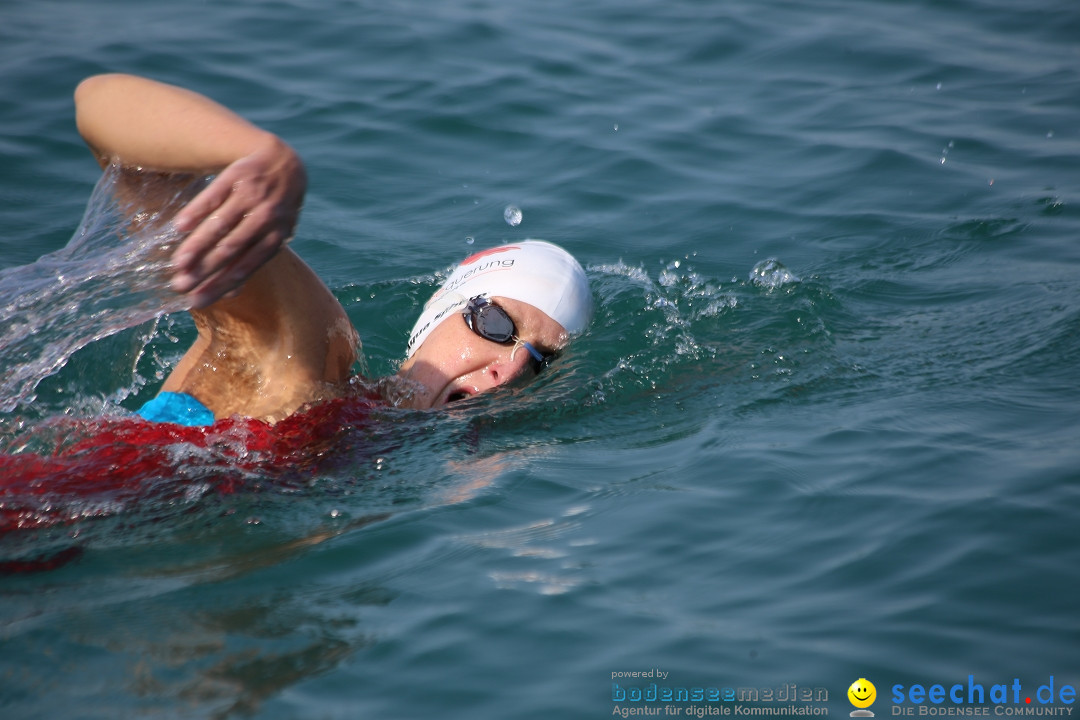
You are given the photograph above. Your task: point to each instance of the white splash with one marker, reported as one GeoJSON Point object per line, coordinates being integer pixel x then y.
{"type": "Point", "coordinates": [112, 275]}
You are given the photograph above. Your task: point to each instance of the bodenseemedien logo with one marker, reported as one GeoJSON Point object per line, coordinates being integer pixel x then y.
{"type": "Point", "coordinates": [664, 696]}
{"type": "Point", "coordinates": [862, 694]}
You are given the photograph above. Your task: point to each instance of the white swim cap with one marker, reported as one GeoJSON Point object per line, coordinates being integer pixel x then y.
{"type": "Point", "coordinates": [533, 271]}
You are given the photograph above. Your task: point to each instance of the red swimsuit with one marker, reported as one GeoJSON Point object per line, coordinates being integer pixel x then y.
{"type": "Point", "coordinates": [103, 465]}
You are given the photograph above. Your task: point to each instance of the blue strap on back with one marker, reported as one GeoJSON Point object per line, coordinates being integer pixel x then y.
{"type": "Point", "coordinates": [178, 408]}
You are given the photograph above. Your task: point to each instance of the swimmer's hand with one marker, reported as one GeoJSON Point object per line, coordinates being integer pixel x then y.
{"type": "Point", "coordinates": [238, 222]}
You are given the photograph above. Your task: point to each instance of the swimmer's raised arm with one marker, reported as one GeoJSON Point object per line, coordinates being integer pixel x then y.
{"type": "Point", "coordinates": [280, 339]}
{"type": "Point", "coordinates": [243, 217]}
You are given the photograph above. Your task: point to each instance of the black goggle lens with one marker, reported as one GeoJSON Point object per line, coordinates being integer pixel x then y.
{"type": "Point", "coordinates": [491, 322]}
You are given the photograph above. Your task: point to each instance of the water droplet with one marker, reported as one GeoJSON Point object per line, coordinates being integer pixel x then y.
{"type": "Point", "coordinates": [771, 274]}
{"type": "Point", "coordinates": [512, 215]}
{"type": "Point", "coordinates": [945, 151]}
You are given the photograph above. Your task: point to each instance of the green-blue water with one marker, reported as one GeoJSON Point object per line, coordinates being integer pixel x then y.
{"type": "Point", "coordinates": [824, 425]}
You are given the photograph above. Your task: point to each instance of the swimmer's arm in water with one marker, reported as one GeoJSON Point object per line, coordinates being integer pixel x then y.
{"type": "Point", "coordinates": [242, 218]}
{"type": "Point", "coordinates": [281, 339]}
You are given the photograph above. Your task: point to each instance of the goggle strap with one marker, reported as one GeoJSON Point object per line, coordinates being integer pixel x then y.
{"type": "Point", "coordinates": [536, 355]}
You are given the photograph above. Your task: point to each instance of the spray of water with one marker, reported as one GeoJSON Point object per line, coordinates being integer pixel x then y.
{"type": "Point", "coordinates": [112, 275]}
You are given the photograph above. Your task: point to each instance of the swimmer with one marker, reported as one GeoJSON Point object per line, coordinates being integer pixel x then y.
{"type": "Point", "coordinates": [271, 336]}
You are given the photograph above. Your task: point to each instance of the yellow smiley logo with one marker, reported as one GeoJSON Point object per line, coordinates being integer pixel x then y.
{"type": "Point", "coordinates": [862, 693]}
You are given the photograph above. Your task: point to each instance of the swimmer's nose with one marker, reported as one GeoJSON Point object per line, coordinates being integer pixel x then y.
{"type": "Point", "coordinates": [505, 369]}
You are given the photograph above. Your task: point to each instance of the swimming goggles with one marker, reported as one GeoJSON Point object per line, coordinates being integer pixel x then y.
{"type": "Point", "coordinates": [491, 322]}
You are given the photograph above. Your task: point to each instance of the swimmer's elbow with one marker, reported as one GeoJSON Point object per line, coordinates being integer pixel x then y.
{"type": "Point", "coordinates": [90, 90]}
{"type": "Point", "coordinates": [91, 105]}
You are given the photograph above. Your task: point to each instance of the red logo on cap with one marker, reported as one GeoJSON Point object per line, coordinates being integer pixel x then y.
{"type": "Point", "coordinates": [490, 251]}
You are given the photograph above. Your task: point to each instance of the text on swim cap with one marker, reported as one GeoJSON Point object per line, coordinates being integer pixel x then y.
{"type": "Point", "coordinates": [468, 275]}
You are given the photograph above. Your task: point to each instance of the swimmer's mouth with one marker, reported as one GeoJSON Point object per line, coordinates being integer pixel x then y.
{"type": "Point", "coordinates": [459, 393]}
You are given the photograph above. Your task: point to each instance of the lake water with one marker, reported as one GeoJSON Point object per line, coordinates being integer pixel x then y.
{"type": "Point", "coordinates": [824, 425]}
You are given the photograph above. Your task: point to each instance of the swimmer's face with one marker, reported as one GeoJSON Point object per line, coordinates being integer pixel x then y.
{"type": "Point", "coordinates": [862, 693]}
{"type": "Point", "coordinates": [455, 363]}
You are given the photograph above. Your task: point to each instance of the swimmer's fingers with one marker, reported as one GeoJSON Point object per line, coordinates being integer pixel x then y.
{"type": "Point", "coordinates": [235, 223]}
{"type": "Point", "coordinates": [225, 268]}
{"type": "Point", "coordinates": [239, 221]}
{"type": "Point", "coordinates": [212, 197]}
